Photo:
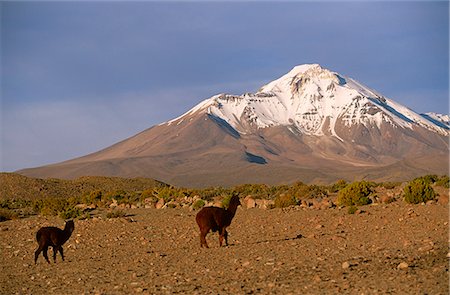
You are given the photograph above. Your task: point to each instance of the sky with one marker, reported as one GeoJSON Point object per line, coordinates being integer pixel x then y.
{"type": "Point", "coordinates": [77, 77]}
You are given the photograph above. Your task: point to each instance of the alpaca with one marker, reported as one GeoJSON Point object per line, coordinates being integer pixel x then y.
{"type": "Point", "coordinates": [54, 237]}
{"type": "Point", "coordinates": [216, 219]}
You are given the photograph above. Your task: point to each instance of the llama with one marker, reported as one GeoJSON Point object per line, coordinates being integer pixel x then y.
{"type": "Point", "coordinates": [54, 237]}
{"type": "Point", "coordinates": [216, 219]}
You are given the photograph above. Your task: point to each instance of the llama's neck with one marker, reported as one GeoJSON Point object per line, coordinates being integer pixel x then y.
{"type": "Point", "coordinates": [232, 210]}
{"type": "Point", "coordinates": [67, 233]}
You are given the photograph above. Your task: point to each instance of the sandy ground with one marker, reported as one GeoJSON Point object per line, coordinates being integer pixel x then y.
{"type": "Point", "coordinates": [387, 249]}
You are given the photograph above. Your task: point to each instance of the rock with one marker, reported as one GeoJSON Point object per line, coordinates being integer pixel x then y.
{"type": "Point", "coordinates": [443, 199]}
{"type": "Point", "coordinates": [304, 204]}
{"type": "Point", "coordinates": [265, 204]}
{"type": "Point", "coordinates": [386, 199]}
{"type": "Point", "coordinates": [316, 204]}
{"type": "Point", "coordinates": [113, 204]}
{"type": "Point", "coordinates": [402, 265]}
{"type": "Point", "coordinates": [346, 265]}
{"type": "Point", "coordinates": [249, 202]}
{"type": "Point", "coordinates": [326, 203]}
{"type": "Point", "coordinates": [317, 279]}
{"type": "Point", "coordinates": [160, 203]}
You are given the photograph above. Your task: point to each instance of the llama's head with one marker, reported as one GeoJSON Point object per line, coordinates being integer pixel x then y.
{"type": "Point", "coordinates": [70, 226]}
{"type": "Point", "coordinates": [235, 200]}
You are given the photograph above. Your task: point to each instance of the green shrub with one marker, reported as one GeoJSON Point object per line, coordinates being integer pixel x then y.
{"type": "Point", "coordinates": [390, 185]}
{"type": "Point", "coordinates": [226, 201]}
{"type": "Point", "coordinates": [94, 197]}
{"type": "Point", "coordinates": [7, 214]}
{"type": "Point", "coordinates": [116, 214]}
{"type": "Point", "coordinates": [443, 181]}
{"type": "Point", "coordinates": [50, 206]}
{"type": "Point", "coordinates": [419, 190]}
{"type": "Point", "coordinates": [198, 204]}
{"type": "Point", "coordinates": [352, 209]}
{"type": "Point", "coordinates": [308, 191]}
{"type": "Point", "coordinates": [430, 179]}
{"type": "Point", "coordinates": [71, 213]}
{"type": "Point", "coordinates": [284, 200]}
{"type": "Point", "coordinates": [356, 193]}
{"type": "Point", "coordinates": [339, 185]}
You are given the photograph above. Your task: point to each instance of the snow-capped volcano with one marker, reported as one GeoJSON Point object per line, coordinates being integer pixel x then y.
{"type": "Point", "coordinates": [311, 124]}
{"type": "Point", "coordinates": [312, 100]}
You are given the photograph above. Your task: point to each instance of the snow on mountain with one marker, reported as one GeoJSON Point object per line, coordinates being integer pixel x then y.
{"type": "Point", "coordinates": [312, 100]}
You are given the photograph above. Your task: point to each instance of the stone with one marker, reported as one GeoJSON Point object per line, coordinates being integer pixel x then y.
{"type": "Point", "coordinates": [160, 204]}
{"type": "Point", "coordinates": [249, 202]}
{"type": "Point", "coordinates": [386, 199]}
{"type": "Point", "coordinates": [402, 265]}
{"type": "Point", "coordinates": [346, 265]}
{"type": "Point", "coordinates": [326, 203]}
{"type": "Point", "coordinates": [443, 199]}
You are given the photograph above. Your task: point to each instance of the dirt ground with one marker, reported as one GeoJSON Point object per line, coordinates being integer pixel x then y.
{"type": "Point", "coordinates": [386, 249]}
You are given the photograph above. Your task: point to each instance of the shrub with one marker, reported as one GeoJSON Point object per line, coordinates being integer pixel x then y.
{"type": "Point", "coordinates": [302, 190]}
{"type": "Point", "coordinates": [390, 185]}
{"type": "Point", "coordinates": [352, 209]}
{"type": "Point", "coordinates": [339, 185]}
{"type": "Point", "coordinates": [356, 193]}
{"type": "Point", "coordinates": [417, 191]}
{"type": "Point", "coordinates": [227, 198]}
{"type": "Point", "coordinates": [94, 197]}
{"type": "Point", "coordinates": [443, 181]}
{"type": "Point", "coordinates": [284, 200]}
{"type": "Point", "coordinates": [7, 214]}
{"type": "Point", "coordinates": [116, 214]}
{"type": "Point", "coordinates": [198, 204]}
{"type": "Point", "coordinates": [430, 179]}
{"type": "Point", "coordinates": [71, 213]}
{"type": "Point", "coordinates": [50, 206]}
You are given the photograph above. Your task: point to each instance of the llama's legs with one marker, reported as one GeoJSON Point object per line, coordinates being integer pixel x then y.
{"type": "Point", "coordinates": [45, 253]}
{"type": "Point", "coordinates": [222, 235]}
{"type": "Point", "coordinates": [54, 253]}
{"type": "Point", "coordinates": [61, 252]}
{"type": "Point", "coordinates": [36, 254]}
{"type": "Point", "coordinates": [203, 240]}
{"type": "Point", "coordinates": [225, 236]}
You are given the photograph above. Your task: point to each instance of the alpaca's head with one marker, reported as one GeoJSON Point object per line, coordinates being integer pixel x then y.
{"type": "Point", "coordinates": [70, 226]}
{"type": "Point", "coordinates": [235, 200]}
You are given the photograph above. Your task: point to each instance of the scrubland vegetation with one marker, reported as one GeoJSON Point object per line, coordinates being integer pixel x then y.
{"type": "Point", "coordinates": [21, 196]}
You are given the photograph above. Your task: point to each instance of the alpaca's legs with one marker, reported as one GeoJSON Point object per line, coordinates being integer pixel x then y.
{"type": "Point", "coordinates": [54, 253]}
{"type": "Point", "coordinates": [223, 235]}
{"type": "Point", "coordinates": [45, 253]}
{"type": "Point", "coordinates": [61, 252]}
{"type": "Point", "coordinates": [36, 254]}
{"type": "Point", "coordinates": [203, 239]}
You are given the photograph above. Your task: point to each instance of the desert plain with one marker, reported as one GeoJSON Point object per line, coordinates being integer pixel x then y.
{"type": "Point", "coordinates": [394, 248]}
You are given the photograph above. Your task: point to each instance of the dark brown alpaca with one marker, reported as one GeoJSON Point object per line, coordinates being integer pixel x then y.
{"type": "Point", "coordinates": [54, 237]}
{"type": "Point", "coordinates": [216, 219]}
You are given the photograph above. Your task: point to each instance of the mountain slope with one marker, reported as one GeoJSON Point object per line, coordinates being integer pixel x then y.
{"type": "Point", "coordinates": [311, 124]}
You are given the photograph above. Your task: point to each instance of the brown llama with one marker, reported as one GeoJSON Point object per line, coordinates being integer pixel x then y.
{"type": "Point", "coordinates": [216, 219]}
{"type": "Point", "coordinates": [54, 237]}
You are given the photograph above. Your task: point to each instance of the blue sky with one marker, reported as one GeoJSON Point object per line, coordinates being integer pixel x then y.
{"type": "Point", "coordinates": [80, 76]}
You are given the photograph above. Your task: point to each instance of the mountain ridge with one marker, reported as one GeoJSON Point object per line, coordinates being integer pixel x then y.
{"type": "Point", "coordinates": [311, 124]}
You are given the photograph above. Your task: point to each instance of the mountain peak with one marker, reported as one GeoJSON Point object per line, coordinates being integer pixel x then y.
{"type": "Point", "coordinates": [311, 124]}
{"type": "Point", "coordinates": [302, 73]}
{"type": "Point", "coordinates": [312, 100]}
